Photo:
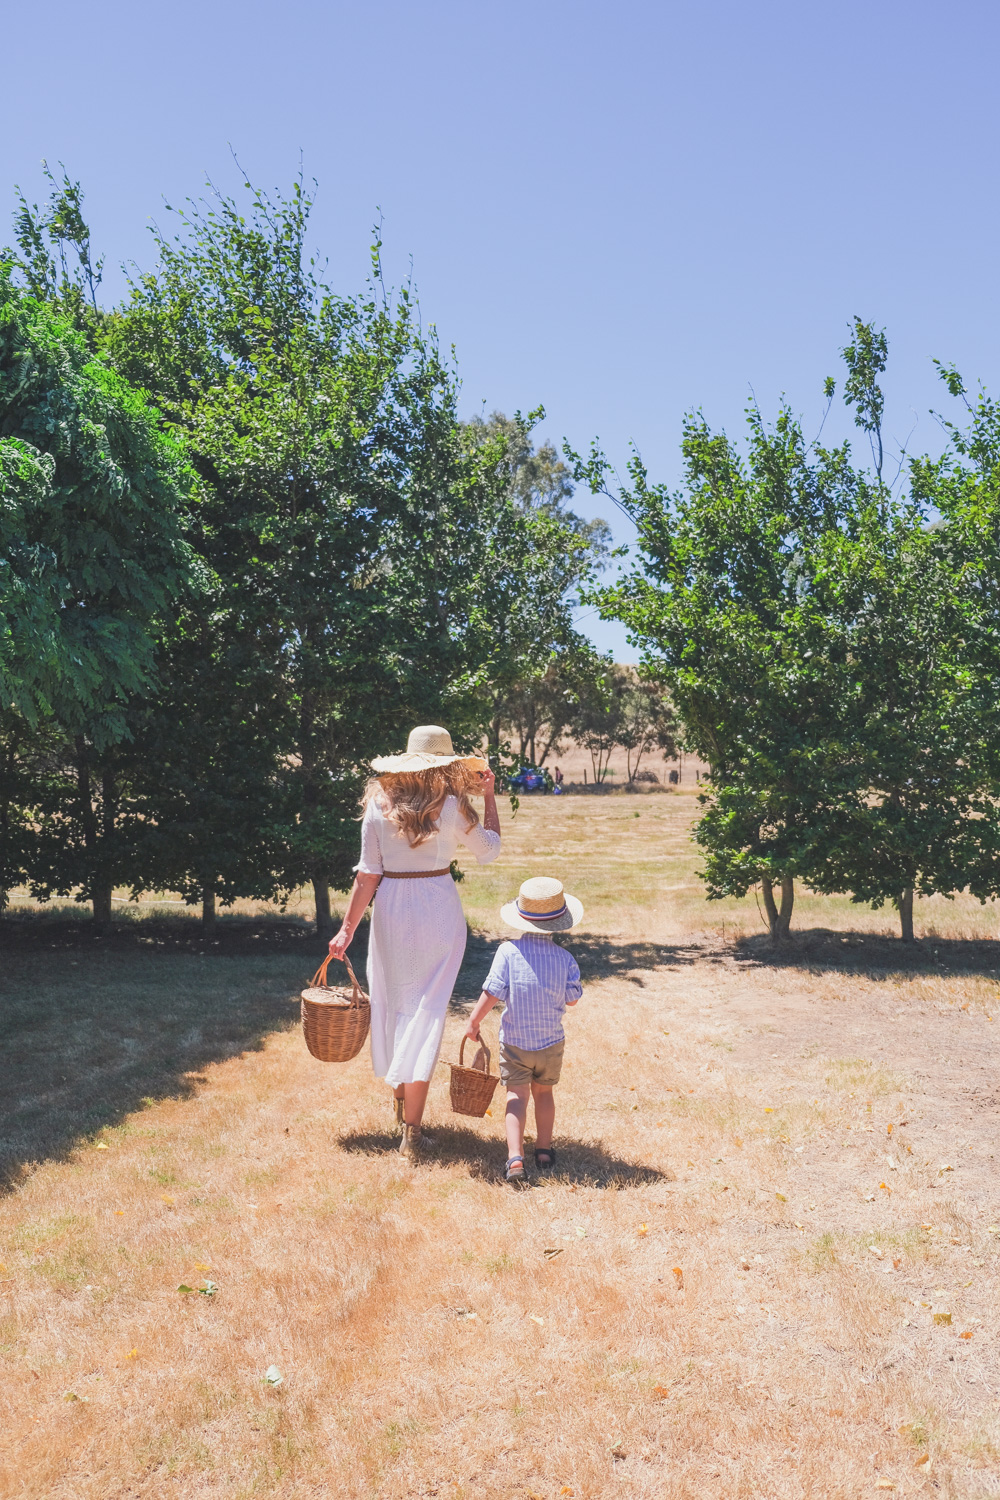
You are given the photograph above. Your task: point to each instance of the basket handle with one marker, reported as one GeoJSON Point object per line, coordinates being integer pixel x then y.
{"type": "Point", "coordinates": [319, 979]}
{"type": "Point", "coordinates": [461, 1054]}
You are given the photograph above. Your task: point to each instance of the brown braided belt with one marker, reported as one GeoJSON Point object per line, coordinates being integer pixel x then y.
{"type": "Point", "coordinates": [413, 874]}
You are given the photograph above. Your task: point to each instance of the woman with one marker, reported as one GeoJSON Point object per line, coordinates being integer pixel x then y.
{"type": "Point", "coordinates": [417, 812]}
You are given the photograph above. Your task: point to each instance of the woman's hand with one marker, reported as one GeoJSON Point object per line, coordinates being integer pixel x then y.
{"type": "Point", "coordinates": [340, 944]}
{"type": "Point", "coordinates": [488, 779]}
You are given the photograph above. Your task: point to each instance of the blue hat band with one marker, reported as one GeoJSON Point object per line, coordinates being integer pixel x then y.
{"type": "Point", "coordinates": [541, 916]}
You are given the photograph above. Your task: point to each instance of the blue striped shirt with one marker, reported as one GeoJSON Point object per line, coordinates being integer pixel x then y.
{"type": "Point", "coordinates": [534, 978]}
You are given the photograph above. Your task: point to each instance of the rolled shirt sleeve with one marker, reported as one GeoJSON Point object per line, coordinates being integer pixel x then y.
{"type": "Point", "coordinates": [574, 987]}
{"type": "Point", "coordinates": [497, 980]}
{"type": "Point", "coordinates": [370, 862]}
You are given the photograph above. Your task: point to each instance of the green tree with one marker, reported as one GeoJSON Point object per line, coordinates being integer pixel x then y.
{"type": "Point", "coordinates": [532, 652]}
{"type": "Point", "coordinates": [369, 565]}
{"type": "Point", "coordinates": [815, 634]}
{"type": "Point", "coordinates": [646, 720]}
{"type": "Point", "coordinates": [93, 560]}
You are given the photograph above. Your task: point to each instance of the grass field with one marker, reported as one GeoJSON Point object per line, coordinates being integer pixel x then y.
{"type": "Point", "coordinates": [767, 1266]}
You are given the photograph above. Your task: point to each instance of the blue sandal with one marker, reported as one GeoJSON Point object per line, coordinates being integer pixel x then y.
{"type": "Point", "coordinates": [518, 1177]}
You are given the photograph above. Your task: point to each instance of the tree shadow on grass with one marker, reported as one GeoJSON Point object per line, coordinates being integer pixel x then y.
{"type": "Point", "coordinates": [598, 957]}
{"type": "Point", "coordinates": [87, 1037]}
{"type": "Point", "coordinates": [584, 1163]}
{"type": "Point", "coordinates": [821, 950]}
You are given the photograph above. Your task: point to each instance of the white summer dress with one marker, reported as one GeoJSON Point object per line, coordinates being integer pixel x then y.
{"type": "Point", "coordinates": [417, 938]}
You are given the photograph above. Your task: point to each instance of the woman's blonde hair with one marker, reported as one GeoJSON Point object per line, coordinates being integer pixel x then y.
{"type": "Point", "coordinates": [413, 799]}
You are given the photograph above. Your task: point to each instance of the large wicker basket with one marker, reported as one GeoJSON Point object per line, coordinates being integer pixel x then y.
{"type": "Point", "coordinates": [471, 1089]}
{"type": "Point", "coordinates": [335, 1021]}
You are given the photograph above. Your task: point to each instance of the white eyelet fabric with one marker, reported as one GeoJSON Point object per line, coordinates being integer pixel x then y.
{"type": "Point", "coordinates": [417, 939]}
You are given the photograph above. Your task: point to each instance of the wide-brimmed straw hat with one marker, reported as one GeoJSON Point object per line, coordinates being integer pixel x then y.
{"type": "Point", "coordinates": [542, 906]}
{"type": "Point", "coordinates": [428, 745]}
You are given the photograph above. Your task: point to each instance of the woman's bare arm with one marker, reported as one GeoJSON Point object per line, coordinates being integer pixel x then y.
{"type": "Point", "coordinates": [362, 891]}
{"type": "Point", "coordinates": [491, 817]}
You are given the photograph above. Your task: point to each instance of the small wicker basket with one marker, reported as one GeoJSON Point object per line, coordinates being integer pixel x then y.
{"type": "Point", "coordinates": [471, 1089]}
{"type": "Point", "coordinates": [335, 1021]}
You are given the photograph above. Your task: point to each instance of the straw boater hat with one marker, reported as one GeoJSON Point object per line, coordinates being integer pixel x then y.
{"type": "Point", "coordinates": [428, 746]}
{"type": "Point", "coordinates": [542, 906]}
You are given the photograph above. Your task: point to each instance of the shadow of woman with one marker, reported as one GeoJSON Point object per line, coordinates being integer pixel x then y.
{"type": "Point", "coordinates": [582, 1163]}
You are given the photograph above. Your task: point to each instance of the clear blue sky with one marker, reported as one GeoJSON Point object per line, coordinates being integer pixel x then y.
{"type": "Point", "coordinates": [619, 210]}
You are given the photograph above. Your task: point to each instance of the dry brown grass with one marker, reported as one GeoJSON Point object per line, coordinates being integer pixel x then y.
{"type": "Point", "coordinates": [722, 1117]}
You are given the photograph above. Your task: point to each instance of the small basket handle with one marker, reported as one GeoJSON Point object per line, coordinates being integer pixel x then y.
{"type": "Point", "coordinates": [461, 1055]}
{"type": "Point", "coordinates": [318, 980]}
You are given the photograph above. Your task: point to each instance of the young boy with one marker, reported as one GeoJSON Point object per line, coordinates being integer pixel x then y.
{"type": "Point", "coordinates": [536, 980]}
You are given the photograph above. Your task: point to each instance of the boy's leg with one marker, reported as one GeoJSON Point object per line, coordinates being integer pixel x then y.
{"type": "Point", "coordinates": [545, 1114]}
{"type": "Point", "coordinates": [517, 1109]}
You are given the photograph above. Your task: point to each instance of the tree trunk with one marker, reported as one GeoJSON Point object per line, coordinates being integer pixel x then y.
{"type": "Point", "coordinates": [778, 921]}
{"type": "Point", "coordinates": [324, 921]}
{"type": "Point", "coordinates": [208, 910]}
{"type": "Point", "coordinates": [904, 901]}
{"type": "Point", "coordinates": [100, 897]}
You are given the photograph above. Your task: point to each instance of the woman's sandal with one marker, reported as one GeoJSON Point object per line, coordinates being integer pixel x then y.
{"type": "Point", "coordinates": [516, 1177]}
{"type": "Point", "coordinates": [548, 1152]}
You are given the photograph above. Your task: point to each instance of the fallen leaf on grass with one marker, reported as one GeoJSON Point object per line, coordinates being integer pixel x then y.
{"type": "Point", "coordinates": [875, 1251]}
{"type": "Point", "coordinates": [643, 1229]}
{"type": "Point", "coordinates": [165, 1198]}
{"type": "Point", "coordinates": [185, 1288]}
{"type": "Point", "coordinates": [679, 1278]}
{"type": "Point", "coordinates": [618, 1450]}
{"type": "Point", "coordinates": [272, 1376]}
{"type": "Point", "coordinates": [662, 1391]}
{"type": "Point", "coordinates": [781, 1197]}
{"type": "Point", "coordinates": [539, 1321]}
{"type": "Point", "coordinates": [886, 1186]}
{"type": "Point", "coordinates": [132, 1354]}
{"type": "Point", "coordinates": [967, 1335]}
{"type": "Point", "coordinates": [551, 1254]}
{"type": "Point", "coordinates": [72, 1396]}
{"type": "Point", "coordinates": [924, 1458]}
{"type": "Point", "coordinates": [101, 1146]}
{"type": "Point", "coordinates": [796, 1225]}
{"type": "Point", "coordinates": [200, 1265]}
{"type": "Point", "coordinates": [884, 1484]}
{"type": "Point", "coordinates": [942, 1317]}
{"type": "Point", "coordinates": [566, 1490]}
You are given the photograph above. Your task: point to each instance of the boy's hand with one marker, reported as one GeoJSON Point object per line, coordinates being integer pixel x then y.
{"type": "Point", "coordinates": [472, 1031]}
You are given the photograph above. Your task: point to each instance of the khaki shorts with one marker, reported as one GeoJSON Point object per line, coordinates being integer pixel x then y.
{"type": "Point", "coordinates": [518, 1066]}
